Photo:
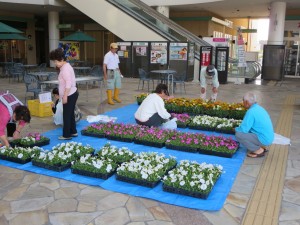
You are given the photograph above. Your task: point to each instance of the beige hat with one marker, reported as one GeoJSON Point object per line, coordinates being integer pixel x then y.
{"type": "Point", "coordinates": [113, 45]}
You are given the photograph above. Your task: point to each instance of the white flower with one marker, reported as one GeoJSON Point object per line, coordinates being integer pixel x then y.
{"type": "Point", "coordinates": [20, 155]}
{"type": "Point", "coordinates": [182, 183]}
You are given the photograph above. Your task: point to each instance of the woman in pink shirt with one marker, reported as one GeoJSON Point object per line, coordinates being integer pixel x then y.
{"type": "Point", "coordinates": [67, 92]}
{"type": "Point", "coordinates": [21, 115]}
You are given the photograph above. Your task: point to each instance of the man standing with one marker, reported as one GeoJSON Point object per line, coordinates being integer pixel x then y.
{"type": "Point", "coordinates": [209, 72]}
{"type": "Point", "coordinates": [112, 74]}
{"type": "Point", "coordinates": [256, 130]}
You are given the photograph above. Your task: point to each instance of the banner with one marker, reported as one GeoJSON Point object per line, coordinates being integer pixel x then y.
{"type": "Point", "coordinates": [241, 50]}
{"type": "Point", "coordinates": [71, 50]}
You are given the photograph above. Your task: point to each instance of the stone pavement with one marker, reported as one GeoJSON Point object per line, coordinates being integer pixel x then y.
{"type": "Point", "coordinates": [28, 198]}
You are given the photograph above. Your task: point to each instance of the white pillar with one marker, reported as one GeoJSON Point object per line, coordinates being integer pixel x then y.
{"type": "Point", "coordinates": [277, 20]}
{"type": "Point", "coordinates": [165, 11]}
{"type": "Point", "coordinates": [196, 71]}
{"type": "Point", "coordinates": [53, 21]}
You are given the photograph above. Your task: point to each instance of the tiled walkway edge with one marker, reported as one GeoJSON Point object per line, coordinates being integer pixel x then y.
{"type": "Point", "coordinates": [264, 204]}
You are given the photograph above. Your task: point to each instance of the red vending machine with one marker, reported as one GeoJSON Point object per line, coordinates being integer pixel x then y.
{"type": "Point", "coordinates": [206, 53]}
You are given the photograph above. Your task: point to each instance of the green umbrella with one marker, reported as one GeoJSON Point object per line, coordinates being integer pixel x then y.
{"type": "Point", "coordinates": [7, 29]}
{"type": "Point", "coordinates": [12, 37]}
{"type": "Point", "coordinates": [79, 36]}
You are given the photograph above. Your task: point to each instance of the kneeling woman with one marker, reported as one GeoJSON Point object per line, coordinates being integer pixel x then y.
{"type": "Point", "coordinates": [152, 111]}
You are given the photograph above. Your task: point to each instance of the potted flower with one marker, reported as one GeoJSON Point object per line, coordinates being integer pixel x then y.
{"type": "Point", "coordinates": [140, 98]}
{"type": "Point", "coordinates": [31, 140]}
{"type": "Point", "coordinates": [188, 142]}
{"type": "Point", "coordinates": [117, 155]}
{"type": "Point", "coordinates": [121, 132]}
{"type": "Point", "coordinates": [217, 145]}
{"type": "Point", "coordinates": [95, 130]}
{"type": "Point", "coordinates": [19, 154]}
{"type": "Point", "coordinates": [182, 119]}
{"type": "Point", "coordinates": [146, 169]}
{"type": "Point", "coordinates": [152, 136]}
{"type": "Point", "coordinates": [61, 156]}
{"type": "Point", "coordinates": [227, 125]}
{"type": "Point", "coordinates": [203, 123]}
{"type": "Point", "coordinates": [93, 166]}
{"type": "Point", "coordinates": [192, 179]}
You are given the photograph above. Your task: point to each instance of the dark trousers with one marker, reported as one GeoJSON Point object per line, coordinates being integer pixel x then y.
{"type": "Point", "coordinates": [69, 116]}
{"type": "Point", "coordinates": [154, 121]}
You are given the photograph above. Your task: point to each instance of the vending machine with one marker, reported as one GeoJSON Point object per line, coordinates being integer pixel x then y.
{"type": "Point", "coordinates": [206, 54]}
{"type": "Point", "coordinates": [221, 63]}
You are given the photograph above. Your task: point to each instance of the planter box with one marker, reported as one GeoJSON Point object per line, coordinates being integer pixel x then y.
{"type": "Point", "coordinates": [92, 174]}
{"type": "Point", "coordinates": [144, 183]}
{"type": "Point", "coordinates": [38, 144]}
{"type": "Point", "coordinates": [198, 127]}
{"type": "Point", "coordinates": [122, 139]}
{"type": "Point", "coordinates": [51, 167]}
{"type": "Point", "coordinates": [184, 192]}
{"type": "Point", "coordinates": [182, 125]}
{"type": "Point", "coordinates": [90, 134]}
{"type": "Point", "coordinates": [149, 143]}
{"type": "Point", "coordinates": [225, 131]}
{"type": "Point", "coordinates": [182, 148]}
{"type": "Point", "coordinates": [221, 154]}
{"type": "Point", "coordinates": [15, 160]}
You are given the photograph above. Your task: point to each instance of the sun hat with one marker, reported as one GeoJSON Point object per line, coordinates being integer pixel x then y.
{"type": "Point", "coordinates": [210, 69]}
{"type": "Point", "coordinates": [113, 45]}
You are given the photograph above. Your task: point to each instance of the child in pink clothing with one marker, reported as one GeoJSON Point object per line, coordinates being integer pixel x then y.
{"type": "Point", "coordinates": [21, 115]}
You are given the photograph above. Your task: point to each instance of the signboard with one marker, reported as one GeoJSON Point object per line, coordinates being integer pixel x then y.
{"type": "Point", "coordinates": [205, 55]}
{"type": "Point", "coordinates": [241, 50]}
{"type": "Point", "coordinates": [159, 53]}
{"type": "Point", "coordinates": [71, 50]}
{"type": "Point", "coordinates": [64, 26]}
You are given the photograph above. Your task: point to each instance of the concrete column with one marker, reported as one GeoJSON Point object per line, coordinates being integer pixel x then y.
{"type": "Point", "coordinates": [277, 20]}
{"type": "Point", "coordinates": [53, 21]}
{"type": "Point", "coordinates": [165, 11]}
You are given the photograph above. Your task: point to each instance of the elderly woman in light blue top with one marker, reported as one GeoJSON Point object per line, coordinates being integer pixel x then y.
{"type": "Point", "coordinates": [256, 130]}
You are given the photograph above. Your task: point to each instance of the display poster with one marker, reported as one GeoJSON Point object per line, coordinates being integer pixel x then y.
{"type": "Point", "coordinates": [205, 56]}
{"type": "Point", "coordinates": [140, 48]}
{"type": "Point", "coordinates": [123, 49]}
{"type": "Point", "coordinates": [71, 50]}
{"type": "Point", "coordinates": [241, 50]}
{"type": "Point", "coordinates": [159, 53]}
{"type": "Point", "coordinates": [178, 51]}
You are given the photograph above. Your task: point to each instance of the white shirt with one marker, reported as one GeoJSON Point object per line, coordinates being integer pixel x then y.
{"type": "Point", "coordinates": [111, 60]}
{"type": "Point", "coordinates": [151, 105]}
{"type": "Point", "coordinates": [204, 76]}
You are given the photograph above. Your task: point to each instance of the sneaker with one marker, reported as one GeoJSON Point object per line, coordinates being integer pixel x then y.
{"type": "Point", "coordinates": [74, 135]}
{"type": "Point", "coordinates": [64, 138]}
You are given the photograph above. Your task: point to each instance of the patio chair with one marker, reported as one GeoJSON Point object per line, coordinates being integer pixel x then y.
{"type": "Point", "coordinates": [144, 76]}
{"type": "Point", "coordinates": [97, 71]}
{"type": "Point", "coordinates": [16, 72]}
{"type": "Point", "coordinates": [32, 85]}
{"type": "Point", "coordinates": [42, 67]}
{"type": "Point", "coordinates": [180, 79]}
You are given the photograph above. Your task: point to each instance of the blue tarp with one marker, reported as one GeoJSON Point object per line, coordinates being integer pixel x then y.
{"type": "Point", "coordinates": [214, 201]}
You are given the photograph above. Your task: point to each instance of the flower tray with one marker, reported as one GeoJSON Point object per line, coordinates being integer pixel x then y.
{"type": "Point", "coordinates": [184, 192]}
{"type": "Point", "coordinates": [144, 183]}
{"type": "Point", "coordinates": [92, 174]}
{"type": "Point", "coordinates": [225, 131]}
{"type": "Point", "coordinates": [51, 167]}
{"type": "Point", "coordinates": [221, 154]}
{"type": "Point", "coordinates": [196, 127]}
{"type": "Point", "coordinates": [149, 143]}
{"type": "Point", "coordinates": [15, 160]}
{"type": "Point", "coordinates": [182, 148]}
{"type": "Point", "coordinates": [181, 125]}
{"type": "Point", "coordinates": [90, 134]}
{"type": "Point", "coordinates": [122, 139]}
{"type": "Point", "coordinates": [38, 144]}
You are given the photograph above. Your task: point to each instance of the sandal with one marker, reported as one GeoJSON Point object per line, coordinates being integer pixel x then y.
{"type": "Point", "coordinates": [255, 155]}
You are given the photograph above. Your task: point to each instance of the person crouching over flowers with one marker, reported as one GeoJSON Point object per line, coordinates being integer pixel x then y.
{"type": "Point", "coordinates": [152, 111]}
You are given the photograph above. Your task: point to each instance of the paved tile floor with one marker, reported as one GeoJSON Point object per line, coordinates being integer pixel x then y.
{"type": "Point", "coordinates": [28, 198]}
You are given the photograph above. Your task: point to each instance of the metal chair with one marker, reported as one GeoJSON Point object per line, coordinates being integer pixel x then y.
{"type": "Point", "coordinates": [32, 85]}
{"type": "Point", "coordinates": [42, 67]}
{"type": "Point", "coordinates": [144, 76]}
{"type": "Point", "coordinates": [97, 71]}
{"type": "Point", "coordinates": [16, 72]}
{"type": "Point", "coordinates": [180, 79]}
